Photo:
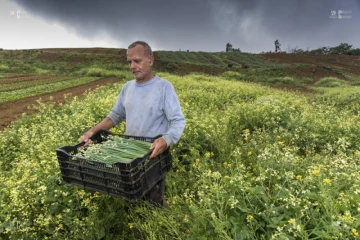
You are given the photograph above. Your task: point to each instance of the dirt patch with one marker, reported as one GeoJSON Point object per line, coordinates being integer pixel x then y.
{"type": "Point", "coordinates": [313, 72]}
{"type": "Point", "coordinates": [333, 63]}
{"type": "Point", "coordinates": [10, 111]}
{"type": "Point", "coordinates": [24, 78]}
{"type": "Point", "coordinates": [185, 68]}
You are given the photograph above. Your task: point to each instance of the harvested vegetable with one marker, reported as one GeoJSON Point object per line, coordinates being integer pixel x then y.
{"type": "Point", "coordinates": [116, 149]}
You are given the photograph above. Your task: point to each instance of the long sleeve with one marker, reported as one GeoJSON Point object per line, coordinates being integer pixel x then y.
{"type": "Point", "coordinates": [150, 109]}
{"type": "Point", "coordinates": [174, 115]}
{"type": "Point", "coordinates": [118, 113]}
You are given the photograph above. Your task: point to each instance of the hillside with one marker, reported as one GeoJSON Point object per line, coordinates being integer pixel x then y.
{"type": "Point", "coordinates": [24, 69]}
{"type": "Point", "coordinates": [314, 67]}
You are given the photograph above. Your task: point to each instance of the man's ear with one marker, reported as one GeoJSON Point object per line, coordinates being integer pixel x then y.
{"type": "Point", "coordinates": [151, 60]}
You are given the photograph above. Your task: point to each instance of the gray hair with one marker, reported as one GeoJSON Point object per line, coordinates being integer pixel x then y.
{"type": "Point", "coordinates": [148, 51]}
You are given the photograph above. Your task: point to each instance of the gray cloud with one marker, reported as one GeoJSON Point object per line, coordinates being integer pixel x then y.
{"type": "Point", "coordinates": [207, 25]}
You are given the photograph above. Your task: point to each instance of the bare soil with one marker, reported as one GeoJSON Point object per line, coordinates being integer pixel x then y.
{"type": "Point", "coordinates": [330, 63]}
{"type": "Point", "coordinates": [10, 111]}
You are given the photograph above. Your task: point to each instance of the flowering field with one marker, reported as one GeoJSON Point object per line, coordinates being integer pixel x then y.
{"type": "Point", "coordinates": [253, 163]}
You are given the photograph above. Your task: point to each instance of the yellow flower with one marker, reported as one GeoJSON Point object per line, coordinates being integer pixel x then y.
{"type": "Point", "coordinates": [327, 181]}
{"type": "Point", "coordinates": [131, 225]}
{"type": "Point", "coordinates": [229, 165]}
{"type": "Point", "coordinates": [355, 232]}
{"type": "Point", "coordinates": [249, 218]}
{"type": "Point", "coordinates": [292, 221]}
{"type": "Point", "coordinates": [249, 153]}
{"type": "Point", "coordinates": [298, 177]}
{"type": "Point", "coordinates": [207, 154]}
{"type": "Point", "coordinates": [281, 143]}
{"type": "Point", "coordinates": [226, 177]}
{"type": "Point", "coordinates": [316, 172]}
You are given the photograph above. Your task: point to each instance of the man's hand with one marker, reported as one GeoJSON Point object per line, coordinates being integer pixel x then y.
{"type": "Point", "coordinates": [158, 146]}
{"type": "Point", "coordinates": [86, 138]}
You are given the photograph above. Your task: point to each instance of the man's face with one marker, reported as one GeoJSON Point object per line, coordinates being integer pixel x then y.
{"type": "Point", "coordinates": [139, 64]}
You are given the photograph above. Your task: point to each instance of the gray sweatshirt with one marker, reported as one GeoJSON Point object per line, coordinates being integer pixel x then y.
{"type": "Point", "coordinates": [150, 109]}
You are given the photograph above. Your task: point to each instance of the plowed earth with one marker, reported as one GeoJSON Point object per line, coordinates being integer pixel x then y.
{"type": "Point", "coordinates": [10, 111]}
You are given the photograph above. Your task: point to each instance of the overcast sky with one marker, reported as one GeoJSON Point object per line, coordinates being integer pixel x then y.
{"type": "Point", "coordinates": [195, 25]}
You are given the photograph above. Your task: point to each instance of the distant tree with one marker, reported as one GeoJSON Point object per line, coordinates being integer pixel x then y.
{"type": "Point", "coordinates": [343, 48]}
{"type": "Point", "coordinates": [228, 47]}
{"type": "Point", "coordinates": [355, 51]}
{"type": "Point", "coordinates": [322, 50]}
{"type": "Point", "coordinates": [298, 50]}
{"type": "Point", "coordinates": [277, 46]}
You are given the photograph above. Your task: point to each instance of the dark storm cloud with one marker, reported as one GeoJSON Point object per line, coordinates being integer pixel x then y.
{"type": "Point", "coordinates": [207, 25]}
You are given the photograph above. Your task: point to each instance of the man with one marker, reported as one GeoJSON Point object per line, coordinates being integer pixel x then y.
{"type": "Point", "coordinates": [150, 107]}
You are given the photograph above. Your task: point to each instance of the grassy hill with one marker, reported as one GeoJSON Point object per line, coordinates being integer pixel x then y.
{"type": "Point", "coordinates": [290, 71]}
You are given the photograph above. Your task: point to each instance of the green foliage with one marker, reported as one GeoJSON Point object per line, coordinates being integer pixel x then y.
{"type": "Point", "coordinates": [219, 59]}
{"type": "Point", "coordinates": [230, 75]}
{"type": "Point", "coordinates": [331, 82]}
{"type": "Point", "coordinates": [228, 47]}
{"type": "Point", "coordinates": [101, 72]}
{"type": "Point", "coordinates": [342, 48]}
{"type": "Point", "coordinates": [342, 98]}
{"type": "Point", "coordinates": [277, 46]}
{"type": "Point", "coordinates": [44, 88]}
{"type": "Point", "coordinates": [253, 163]}
{"type": "Point", "coordinates": [4, 68]}
{"type": "Point", "coordinates": [282, 80]}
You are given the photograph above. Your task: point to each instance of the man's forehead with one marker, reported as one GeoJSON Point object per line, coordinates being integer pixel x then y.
{"type": "Point", "coordinates": [137, 50]}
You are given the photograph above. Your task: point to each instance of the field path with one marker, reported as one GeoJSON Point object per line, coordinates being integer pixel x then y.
{"type": "Point", "coordinates": [10, 111]}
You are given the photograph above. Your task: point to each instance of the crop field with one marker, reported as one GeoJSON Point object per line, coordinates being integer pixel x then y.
{"type": "Point", "coordinates": [266, 154]}
{"type": "Point", "coordinates": [218, 59]}
{"type": "Point", "coordinates": [21, 87]}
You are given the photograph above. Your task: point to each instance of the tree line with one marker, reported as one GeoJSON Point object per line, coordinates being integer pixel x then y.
{"type": "Point", "coordinates": [343, 48]}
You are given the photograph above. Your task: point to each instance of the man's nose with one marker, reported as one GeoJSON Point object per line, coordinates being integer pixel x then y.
{"type": "Point", "coordinates": [132, 65]}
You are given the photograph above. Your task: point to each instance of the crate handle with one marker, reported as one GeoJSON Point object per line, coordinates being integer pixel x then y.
{"type": "Point", "coordinates": [80, 144]}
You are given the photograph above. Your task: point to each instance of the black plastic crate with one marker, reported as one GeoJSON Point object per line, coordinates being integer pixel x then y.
{"type": "Point", "coordinates": [130, 181]}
